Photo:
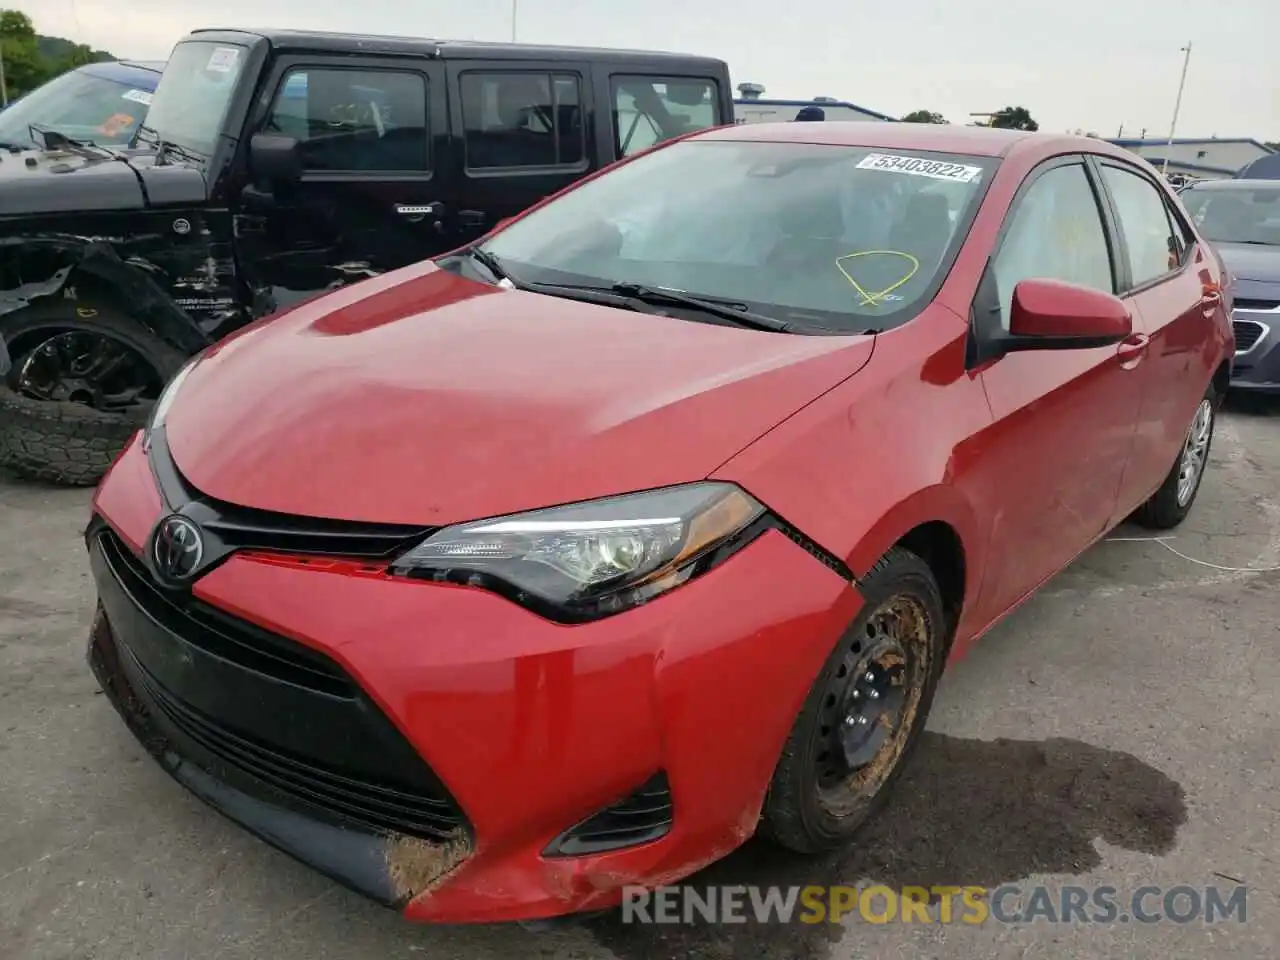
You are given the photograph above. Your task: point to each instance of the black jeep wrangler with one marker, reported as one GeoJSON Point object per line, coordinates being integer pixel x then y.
{"type": "Point", "coordinates": [274, 166]}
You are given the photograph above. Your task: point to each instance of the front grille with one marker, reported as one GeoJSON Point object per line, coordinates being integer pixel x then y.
{"type": "Point", "coordinates": [642, 817]}
{"type": "Point", "coordinates": [368, 804]}
{"type": "Point", "coordinates": [1245, 304]}
{"type": "Point", "coordinates": [282, 716]}
{"type": "Point", "coordinates": [224, 636]}
{"type": "Point", "coordinates": [1247, 334]}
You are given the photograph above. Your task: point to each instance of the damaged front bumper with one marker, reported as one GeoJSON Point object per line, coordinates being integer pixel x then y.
{"type": "Point", "coordinates": [386, 867]}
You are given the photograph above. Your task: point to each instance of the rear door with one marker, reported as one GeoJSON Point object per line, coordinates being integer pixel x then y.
{"type": "Point", "coordinates": [648, 107]}
{"type": "Point", "coordinates": [1171, 279]}
{"type": "Point", "coordinates": [373, 140]}
{"type": "Point", "coordinates": [523, 136]}
{"type": "Point", "coordinates": [1064, 420]}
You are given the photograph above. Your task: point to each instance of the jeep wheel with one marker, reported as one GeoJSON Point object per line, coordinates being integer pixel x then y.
{"type": "Point", "coordinates": [82, 382]}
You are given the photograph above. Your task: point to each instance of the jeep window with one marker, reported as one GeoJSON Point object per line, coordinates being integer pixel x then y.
{"type": "Point", "coordinates": [355, 121]}
{"type": "Point", "coordinates": [79, 104]}
{"type": "Point", "coordinates": [514, 119]}
{"type": "Point", "coordinates": [190, 104]}
{"type": "Point", "coordinates": [648, 110]}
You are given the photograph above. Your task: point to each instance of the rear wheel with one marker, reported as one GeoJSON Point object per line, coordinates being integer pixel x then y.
{"type": "Point", "coordinates": [83, 381]}
{"type": "Point", "coordinates": [1171, 504]}
{"type": "Point", "coordinates": [864, 713]}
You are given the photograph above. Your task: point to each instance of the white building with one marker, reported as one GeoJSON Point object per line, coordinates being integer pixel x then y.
{"type": "Point", "coordinates": [751, 107]}
{"type": "Point", "coordinates": [1211, 159]}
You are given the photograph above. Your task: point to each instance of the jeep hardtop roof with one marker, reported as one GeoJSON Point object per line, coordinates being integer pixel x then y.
{"type": "Point", "coordinates": [317, 41]}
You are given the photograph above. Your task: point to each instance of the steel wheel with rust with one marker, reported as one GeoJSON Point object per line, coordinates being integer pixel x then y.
{"type": "Point", "coordinates": [865, 711]}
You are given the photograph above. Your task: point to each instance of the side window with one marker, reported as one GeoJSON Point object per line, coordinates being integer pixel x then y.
{"type": "Point", "coordinates": [522, 120]}
{"type": "Point", "coordinates": [1184, 239]}
{"type": "Point", "coordinates": [648, 110]}
{"type": "Point", "coordinates": [1144, 220]}
{"type": "Point", "coordinates": [355, 121]}
{"type": "Point", "coordinates": [1056, 233]}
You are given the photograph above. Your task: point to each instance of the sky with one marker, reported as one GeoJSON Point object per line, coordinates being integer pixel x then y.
{"type": "Point", "coordinates": [1094, 65]}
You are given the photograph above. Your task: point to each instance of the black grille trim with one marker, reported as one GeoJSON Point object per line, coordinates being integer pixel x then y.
{"type": "Point", "coordinates": [645, 815]}
{"type": "Point", "coordinates": [230, 528]}
{"type": "Point", "coordinates": [372, 805]}
{"type": "Point", "coordinates": [221, 635]}
{"type": "Point", "coordinates": [1247, 333]}
{"type": "Point", "coordinates": [1264, 305]}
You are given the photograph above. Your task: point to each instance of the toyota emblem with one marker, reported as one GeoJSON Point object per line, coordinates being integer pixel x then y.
{"type": "Point", "coordinates": [177, 548]}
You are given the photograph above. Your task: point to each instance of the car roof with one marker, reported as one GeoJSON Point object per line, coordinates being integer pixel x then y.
{"type": "Point", "coordinates": [1241, 184]}
{"type": "Point", "coordinates": [942, 138]}
{"type": "Point", "coordinates": [318, 40]}
{"type": "Point", "coordinates": [125, 70]}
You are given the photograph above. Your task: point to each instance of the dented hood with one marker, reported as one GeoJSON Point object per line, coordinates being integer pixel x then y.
{"type": "Point", "coordinates": [424, 398]}
{"type": "Point", "coordinates": [86, 181]}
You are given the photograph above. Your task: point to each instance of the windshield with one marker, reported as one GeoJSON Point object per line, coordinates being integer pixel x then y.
{"type": "Point", "coordinates": [79, 105]}
{"type": "Point", "coordinates": [190, 105]}
{"type": "Point", "coordinates": [1236, 215]}
{"type": "Point", "coordinates": [841, 238]}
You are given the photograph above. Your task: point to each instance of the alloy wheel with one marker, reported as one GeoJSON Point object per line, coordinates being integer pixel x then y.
{"type": "Point", "coordinates": [1195, 449]}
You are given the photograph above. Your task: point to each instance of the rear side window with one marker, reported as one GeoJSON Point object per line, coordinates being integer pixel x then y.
{"type": "Point", "coordinates": [1154, 248]}
{"type": "Point", "coordinates": [648, 110]}
{"type": "Point", "coordinates": [355, 121]}
{"type": "Point", "coordinates": [520, 119]}
{"type": "Point", "coordinates": [1055, 233]}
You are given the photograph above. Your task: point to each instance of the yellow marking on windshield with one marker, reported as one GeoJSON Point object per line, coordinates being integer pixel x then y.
{"type": "Point", "coordinates": [878, 297]}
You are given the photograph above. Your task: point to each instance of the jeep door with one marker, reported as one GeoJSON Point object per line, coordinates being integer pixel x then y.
{"type": "Point", "coordinates": [375, 162]}
{"type": "Point", "coordinates": [650, 106]}
{"type": "Point", "coordinates": [524, 136]}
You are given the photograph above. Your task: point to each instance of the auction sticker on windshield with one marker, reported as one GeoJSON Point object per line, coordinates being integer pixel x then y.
{"type": "Point", "coordinates": [918, 167]}
{"type": "Point", "coordinates": [223, 59]}
{"type": "Point", "coordinates": [137, 96]}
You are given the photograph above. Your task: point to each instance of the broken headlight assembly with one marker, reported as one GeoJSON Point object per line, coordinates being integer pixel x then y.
{"type": "Point", "coordinates": [590, 560]}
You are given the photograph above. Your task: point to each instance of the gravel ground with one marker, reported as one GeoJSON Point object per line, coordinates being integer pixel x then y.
{"type": "Point", "coordinates": [1119, 729]}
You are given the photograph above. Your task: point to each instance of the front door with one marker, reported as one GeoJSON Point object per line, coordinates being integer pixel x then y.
{"type": "Point", "coordinates": [376, 158]}
{"type": "Point", "coordinates": [1063, 420]}
{"type": "Point", "coordinates": [524, 137]}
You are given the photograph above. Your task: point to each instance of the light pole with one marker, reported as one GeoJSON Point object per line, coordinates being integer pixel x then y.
{"type": "Point", "coordinates": [4, 87]}
{"type": "Point", "coordinates": [1177, 105]}
{"type": "Point", "coordinates": [515, 13]}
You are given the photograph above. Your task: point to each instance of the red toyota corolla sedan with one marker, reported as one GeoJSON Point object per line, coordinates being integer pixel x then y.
{"type": "Point", "coordinates": [574, 558]}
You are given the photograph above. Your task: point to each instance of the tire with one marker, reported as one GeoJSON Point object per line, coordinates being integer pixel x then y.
{"type": "Point", "coordinates": [67, 443]}
{"type": "Point", "coordinates": [1171, 504]}
{"type": "Point", "coordinates": [802, 813]}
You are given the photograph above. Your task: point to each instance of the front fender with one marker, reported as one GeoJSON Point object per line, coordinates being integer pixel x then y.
{"type": "Point", "coordinates": [53, 266]}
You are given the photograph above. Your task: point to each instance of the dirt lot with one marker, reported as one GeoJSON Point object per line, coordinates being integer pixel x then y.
{"type": "Point", "coordinates": [1120, 729]}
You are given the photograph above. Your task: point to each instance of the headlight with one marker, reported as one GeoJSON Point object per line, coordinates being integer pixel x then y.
{"type": "Point", "coordinates": [165, 401]}
{"type": "Point", "coordinates": [589, 560]}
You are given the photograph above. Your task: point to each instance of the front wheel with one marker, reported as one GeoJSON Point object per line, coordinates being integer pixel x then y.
{"type": "Point", "coordinates": [81, 382]}
{"type": "Point", "coordinates": [1169, 505]}
{"type": "Point", "coordinates": [864, 713]}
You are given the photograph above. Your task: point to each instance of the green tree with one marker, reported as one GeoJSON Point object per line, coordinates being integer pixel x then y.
{"type": "Point", "coordinates": [1014, 118]}
{"type": "Point", "coordinates": [924, 116]}
{"type": "Point", "coordinates": [24, 69]}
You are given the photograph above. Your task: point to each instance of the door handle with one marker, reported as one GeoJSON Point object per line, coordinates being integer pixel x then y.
{"type": "Point", "coordinates": [414, 212]}
{"type": "Point", "coordinates": [1131, 350]}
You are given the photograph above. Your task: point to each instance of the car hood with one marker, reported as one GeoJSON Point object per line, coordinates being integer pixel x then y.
{"type": "Point", "coordinates": [1251, 261]}
{"type": "Point", "coordinates": [430, 399]}
{"type": "Point", "coordinates": [71, 181]}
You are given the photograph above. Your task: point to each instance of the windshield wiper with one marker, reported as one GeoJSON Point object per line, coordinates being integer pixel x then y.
{"type": "Point", "coordinates": [494, 266]}
{"type": "Point", "coordinates": [165, 147]}
{"type": "Point", "coordinates": [727, 310]}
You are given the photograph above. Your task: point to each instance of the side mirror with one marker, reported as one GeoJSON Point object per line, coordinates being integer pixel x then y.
{"type": "Point", "coordinates": [274, 159]}
{"type": "Point", "coordinates": [1053, 315]}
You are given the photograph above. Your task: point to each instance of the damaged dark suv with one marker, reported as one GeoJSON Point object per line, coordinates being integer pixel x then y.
{"type": "Point", "coordinates": [272, 167]}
